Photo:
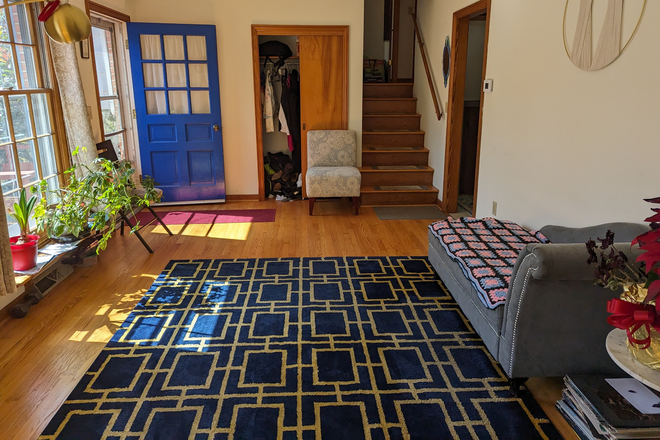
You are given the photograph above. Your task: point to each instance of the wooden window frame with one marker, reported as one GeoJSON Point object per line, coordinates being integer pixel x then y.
{"type": "Point", "coordinates": [46, 85]}
{"type": "Point", "coordinates": [116, 16]}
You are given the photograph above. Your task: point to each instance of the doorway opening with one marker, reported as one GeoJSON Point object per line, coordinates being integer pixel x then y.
{"type": "Point", "coordinates": [389, 41]}
{"type": "Point", "coordinates": [465, 112]}
{"type": "Point", "coordinates": [320, 59]}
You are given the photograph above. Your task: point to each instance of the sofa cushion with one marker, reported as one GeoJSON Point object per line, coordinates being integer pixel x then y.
{"type": "Point", "coordinates": [486, 322]}
{"type": "Point", "coordinates": [486, 251]}
{"type": "Point", "coordinates": [333, 182]}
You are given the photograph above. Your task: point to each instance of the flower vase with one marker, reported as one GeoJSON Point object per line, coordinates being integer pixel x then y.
{"type": "Point", "coordinates": [649, 356]}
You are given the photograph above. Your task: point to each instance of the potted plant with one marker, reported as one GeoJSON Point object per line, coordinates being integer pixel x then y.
{"type": "Point", "coordinates": [637, 311]}
{"type": "Point", "coordinates": [24, 246]}
{"type": "Point", "coordinates": [90, 203]}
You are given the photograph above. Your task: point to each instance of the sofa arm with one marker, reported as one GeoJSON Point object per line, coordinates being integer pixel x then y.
{"type": "Point", "coordinates": [567, 261]}
{"type": "Point", "coordinates": [555, 318]}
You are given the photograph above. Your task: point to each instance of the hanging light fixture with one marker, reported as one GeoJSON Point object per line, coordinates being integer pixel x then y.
{"type": "Point", "coordinates": [64, 23]}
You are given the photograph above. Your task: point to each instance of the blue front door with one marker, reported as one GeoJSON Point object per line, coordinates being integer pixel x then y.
{"type": "Point", "coordinates": [177, 105]}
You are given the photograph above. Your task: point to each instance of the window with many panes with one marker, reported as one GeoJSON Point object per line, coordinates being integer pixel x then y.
{"type": "Point", "coordinates": [27, 138]}
{"type": "Point", "coordinates": [108, 80]}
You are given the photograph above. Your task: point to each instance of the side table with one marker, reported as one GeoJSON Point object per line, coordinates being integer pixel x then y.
{"type": "Point", "coordinates": [618, 351]}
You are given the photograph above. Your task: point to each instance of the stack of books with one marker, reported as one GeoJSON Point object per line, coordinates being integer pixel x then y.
{"type": "Point", "coordinates": [596, 410]}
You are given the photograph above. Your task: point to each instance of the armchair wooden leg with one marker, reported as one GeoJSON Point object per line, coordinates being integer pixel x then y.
{"type": "Point", "coordinates": [311, 205]}
{"type": "Point", "coordinates": [356, 205]}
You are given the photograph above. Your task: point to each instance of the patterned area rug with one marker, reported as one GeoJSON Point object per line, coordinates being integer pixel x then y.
{"type": "Point", "coordinates": [351, 348]}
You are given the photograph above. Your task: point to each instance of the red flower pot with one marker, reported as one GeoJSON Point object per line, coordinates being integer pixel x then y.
{"type": "Point", "coordinates": [24, 255]}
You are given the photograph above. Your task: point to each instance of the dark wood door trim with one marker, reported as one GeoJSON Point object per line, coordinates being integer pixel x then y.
{"type": "Point", "coordinates": [282, 30]}
{"type": "Point", "coordinates": [459, 45]}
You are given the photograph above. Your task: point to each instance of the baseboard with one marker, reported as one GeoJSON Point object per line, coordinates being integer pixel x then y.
{"type": "Point", "coordinates": [241, 197]}
{"type": "Point", "coordinates": [441, 205]}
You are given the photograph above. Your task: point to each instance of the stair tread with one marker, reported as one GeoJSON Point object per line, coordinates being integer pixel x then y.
{"type": "Point", "coordinates": [389, 99]}
{"type": "Point", "coordinates": [393, 132]}
{"type": "Point", "coordinates": [385, 149]}
{"type": "Point", "coordinates": [391, 115]}
{"type": "Point", "coordinates": [395, 168]}
{"type": "Point", "coordinates": [388, 84]}
{"type": "Point", "coordinates": [381, 189]}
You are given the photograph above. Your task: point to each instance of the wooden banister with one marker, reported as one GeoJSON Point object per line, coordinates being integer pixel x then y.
{"type": "Point", "coordinates": [422, 49]}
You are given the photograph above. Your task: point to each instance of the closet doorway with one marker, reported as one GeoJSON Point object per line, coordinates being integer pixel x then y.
{"type": "Point", "coordinates": [323, 72]}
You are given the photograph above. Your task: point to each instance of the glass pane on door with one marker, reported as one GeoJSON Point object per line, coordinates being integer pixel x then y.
{"type": "Point", "coordinates": [153, 75]}
{"type": "Point", "coordinates": [178, 102]}
{"type": "Point", "coordinates": [150, 45]}
{"type": "Point", "coordinates": [196, 48]}
{"type": "Point", "coordinates": [174, 47]}
{"type": "Point", "coordinates": [199, 75]}
{"type": "Point", "coordinates": [176, 75]}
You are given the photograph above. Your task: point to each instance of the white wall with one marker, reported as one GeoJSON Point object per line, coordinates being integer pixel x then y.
{"type": "Point", "coordinates": [233, 20]}
{"type": "Point", "coordinates": [559, 145]}
{"type": "Point", "coordinates": [475, 60]}
{"type": "Point", "coordinates": [374, 21]}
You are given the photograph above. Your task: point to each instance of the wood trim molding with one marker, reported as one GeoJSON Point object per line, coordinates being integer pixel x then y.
{"type": "Point", "coordinates": [481, 111]}
{"type": "Point", "coordinates": [296, 30]}
{"type": "Point", "coordinates": [280, 30]}
{"type": "Point", "coordinates": [394, 43]}
{"type": "Point", "coordinates": [241, 197]}
{"type": "Point", "coordinates": [459, 46]}
{"type": "Point", "coordinates": [88, 9]}
{"type": "Point", "coordinates": [108, 12]}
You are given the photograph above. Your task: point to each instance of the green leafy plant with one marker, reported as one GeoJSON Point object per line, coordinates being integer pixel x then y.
{"type": "Point", "coordinates": [22, 211]}
{"type": "Point", "coordinates": [92, 203]}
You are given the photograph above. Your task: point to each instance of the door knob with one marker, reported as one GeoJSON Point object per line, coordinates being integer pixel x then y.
{"type": "Point", "coordinates": [216, 128]}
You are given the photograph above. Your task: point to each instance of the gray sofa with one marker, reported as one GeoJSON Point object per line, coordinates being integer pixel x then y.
{"type": "Point", "coordinates": [554, 321]}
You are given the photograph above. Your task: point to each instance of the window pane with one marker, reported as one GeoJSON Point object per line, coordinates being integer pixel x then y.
{"type": "Point", "coordinates": [150, 45]}
{"type": "Point", "coordinates": [26, 66]}
{"type": "Point", "coordinates": [111, 116]}
{"type": "Point", "coordinates": [173, 47]}
{"type": "Point", "coordinates": [105, 66]}
{"type": "Point", "coordinates": [20, 116]}
{"type": "Point", "coordinates": [153, 75]}
{"type": "Point", "coordinates": [201, 104]}
{"type": "Point", "coordinates": [10, 199]}
{"type": "Point", "coordinates": [176, 75]}
{"type": "Point", "coordinates": [41, 116]}
{"type": "Point", "coordinates": [4, 124]}
{"type": "Point", "coordinates": [4, 30]}
{"type": "Point", "coordinates": [199, 75]}
{"type": "Point", "coordinates": [27, 160]}
{"type": "Point", "coordinates": [7, 73]}
{"type": "Point", "coordinates": [118, 143]}
{"type": "Point", "coordinates": [20, 24]}
{"type": "Point", "coordinates": [8, 178]}
{"type": "Point", "coordinates": [53, 184]}
{"type": "Point", "coordinates": [178, 102]}
{"type": "Point", "coordinates": [156, 102]}
{"type": "Point", "coordinates": [47, 156]}
{"type": "Point", "coordinates": [196, 48]}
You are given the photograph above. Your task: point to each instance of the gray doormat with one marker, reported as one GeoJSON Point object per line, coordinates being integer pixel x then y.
{"type": "Point", "coordinates": [409, 213]}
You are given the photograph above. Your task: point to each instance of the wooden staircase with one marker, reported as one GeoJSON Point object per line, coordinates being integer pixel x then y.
{"type": "Point", "coordinates": [395, 167]}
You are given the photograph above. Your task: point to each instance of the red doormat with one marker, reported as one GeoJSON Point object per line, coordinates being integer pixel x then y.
{"type": "Point", "coordinates": [187, 217]}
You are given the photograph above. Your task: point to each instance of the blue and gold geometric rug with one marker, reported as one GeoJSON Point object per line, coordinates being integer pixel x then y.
{"type": "Point", "coordinates": [355, 348]}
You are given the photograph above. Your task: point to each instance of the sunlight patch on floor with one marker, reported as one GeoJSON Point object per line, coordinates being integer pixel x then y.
{"type": "Point", "coordinates": [78, 336]}
{"type": "Point", "coordinates": [226, 231]}
{"type": "Point", "coordinates": [101, 334]}
{"type": "Point", "coordinates": [230, 231]}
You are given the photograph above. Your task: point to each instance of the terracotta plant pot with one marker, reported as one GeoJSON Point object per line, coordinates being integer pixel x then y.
{"type": "Point", "coordinates": [24, 256]}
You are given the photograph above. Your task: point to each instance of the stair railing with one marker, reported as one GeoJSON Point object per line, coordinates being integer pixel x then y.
{"type": "Point", "coordinates": [427, 68]}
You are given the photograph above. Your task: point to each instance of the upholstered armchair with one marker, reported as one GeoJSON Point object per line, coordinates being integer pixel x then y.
{"type": "Point", "coordinates": [332, 166]}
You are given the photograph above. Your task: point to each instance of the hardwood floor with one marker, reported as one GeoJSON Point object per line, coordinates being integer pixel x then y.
{"type": "Point", "coordinates": [44, 355]}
